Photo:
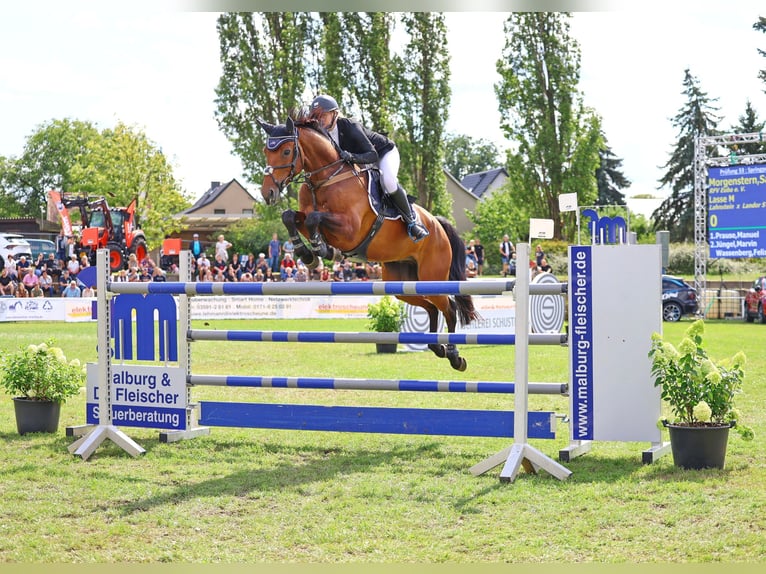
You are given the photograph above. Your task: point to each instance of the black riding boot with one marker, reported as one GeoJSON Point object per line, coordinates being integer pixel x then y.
{"type": "Point", "coordinates": [414, 229]}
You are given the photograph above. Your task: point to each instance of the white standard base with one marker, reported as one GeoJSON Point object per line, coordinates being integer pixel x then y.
{"type": "Point", "coordinates": [517, 456]}
{"type": "Point", "coordinates": [87, 444]}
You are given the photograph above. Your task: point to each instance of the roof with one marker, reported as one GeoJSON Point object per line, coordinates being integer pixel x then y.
{"type": "Point", "coordinates": [479, 182]}
{"type": "Point", "coordinates": [216, 190]}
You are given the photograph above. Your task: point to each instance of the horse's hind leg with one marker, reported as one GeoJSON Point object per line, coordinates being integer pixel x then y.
{"type": "Point", "coordinates": [453, 355]}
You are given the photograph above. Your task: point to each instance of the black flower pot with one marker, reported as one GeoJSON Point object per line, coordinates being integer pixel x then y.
{"type": "Point", "coordinates": [385, 347]}
{"type": "Point", "coordinates": [696, 447]}
{"type": "Point", "coordinates": [36, 416]}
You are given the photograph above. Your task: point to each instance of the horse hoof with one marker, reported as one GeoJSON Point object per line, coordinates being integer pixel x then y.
{"type": "Point", "coordinates": [440, 351]}
{"type": "Point", "coordinates": [458, 363]}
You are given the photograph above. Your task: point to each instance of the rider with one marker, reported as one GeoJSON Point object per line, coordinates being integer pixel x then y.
{"type": "Point", "coordinates": [361, 145]}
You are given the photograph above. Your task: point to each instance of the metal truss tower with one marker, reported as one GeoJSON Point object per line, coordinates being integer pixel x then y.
{"type": "Point", "coordinates": [708, 152]}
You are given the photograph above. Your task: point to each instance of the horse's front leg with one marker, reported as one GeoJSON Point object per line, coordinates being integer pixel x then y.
{"type": "Point", "coordinates": [295, 223]}
{"type": "Point", "coordinates": [319, 247]}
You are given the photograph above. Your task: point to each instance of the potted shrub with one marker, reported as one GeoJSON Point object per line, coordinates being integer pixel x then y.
{"type": "Point", "coordinates": [385, 316]}
{"type": "Point", "coordinates": [40, 379]}
{"type": "Point", "coordinates": [700, 393]}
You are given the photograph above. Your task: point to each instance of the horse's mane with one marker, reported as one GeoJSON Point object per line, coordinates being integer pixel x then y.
{"type": "Point", "coordinates": [302, 118]}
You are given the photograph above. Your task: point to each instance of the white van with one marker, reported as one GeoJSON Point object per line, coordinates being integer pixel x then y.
{"type": "Point", "coordinates": [14, 244]}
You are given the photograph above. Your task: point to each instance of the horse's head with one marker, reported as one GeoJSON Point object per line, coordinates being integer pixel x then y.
{"type": "Point", "coordinates": [282, 159]}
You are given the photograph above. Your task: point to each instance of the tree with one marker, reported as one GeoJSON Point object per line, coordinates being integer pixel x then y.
{"type": "Point", "coordinates": [119, 164]}
{"type": "Point", "coordinates": [47, 162]}
{"type": "Point", "coordinates": [556, 137]}
{"type": "Point", "coordinates": [760, 26]}
{"type": "Point", "coordinates": [464, 155]}
{"type": "Point", "coordinates": [695, 118]}
{"type": "Point", "coordinates": [265, 73]}
{"type": "Point", "coordinates": [749, 124]}
{"type": "Point", "coordinates": [423, 96]}
{"type": "Point", "coordinates": [609, 178]}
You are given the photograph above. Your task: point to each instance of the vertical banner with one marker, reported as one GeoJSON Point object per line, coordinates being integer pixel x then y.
{"type": "Point", "coordinates": [581, 341]}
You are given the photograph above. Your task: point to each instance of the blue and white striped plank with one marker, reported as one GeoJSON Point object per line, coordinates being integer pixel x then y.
{"type": "Point", "coordinates": [334, 288]}
{"type": "Point", "coordinates": [383, 420]}
{"type": "Point", "coordinates": [415, 385]}
{"type": "Point", "coordinates": [369, 337]}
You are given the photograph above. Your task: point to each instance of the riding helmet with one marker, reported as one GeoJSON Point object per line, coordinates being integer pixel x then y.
{"type": "Point", "coordinates": [324, 103]}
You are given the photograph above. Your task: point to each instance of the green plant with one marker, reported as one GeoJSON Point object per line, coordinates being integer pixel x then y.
{"type": "Point", "coordinates": [699, 391]}
{"type": "Point", "coordinates": [387, 315]}
{"type": "Point", "coordinates": [41, 372]}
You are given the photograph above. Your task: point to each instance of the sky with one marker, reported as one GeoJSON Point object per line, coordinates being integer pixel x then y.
{"type": "Point", "coordinates": [155, 67]}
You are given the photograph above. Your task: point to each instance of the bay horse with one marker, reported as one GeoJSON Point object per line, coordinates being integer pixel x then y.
{"type": "Point", "coordinates": [336, 218]}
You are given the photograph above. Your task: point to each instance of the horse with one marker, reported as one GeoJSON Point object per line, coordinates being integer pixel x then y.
{"type": "Point", "coordinates": [336, 219]}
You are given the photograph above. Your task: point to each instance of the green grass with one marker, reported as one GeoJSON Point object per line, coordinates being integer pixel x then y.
{"type": "Point", "coordinates": [243, 495]}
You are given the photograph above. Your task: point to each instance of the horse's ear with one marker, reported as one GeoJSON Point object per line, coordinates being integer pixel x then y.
{"type": "Point", "coordinates": [290, 125]}
{"type": "Point", "coordinates": [267, 127]}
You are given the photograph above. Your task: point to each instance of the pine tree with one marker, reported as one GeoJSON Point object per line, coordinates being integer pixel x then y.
{"type": "Point", "coordinates": [695, 118]}
{"type": "Point", "coordinates": [749, 124]}
{"type": "Point", "coordinates": [760, 26]}
{"type": "Point", "coordinates": [609, 178]}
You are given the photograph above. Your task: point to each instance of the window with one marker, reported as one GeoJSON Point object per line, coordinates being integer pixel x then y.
{"type": "Point", "coordinates": [219, 211]}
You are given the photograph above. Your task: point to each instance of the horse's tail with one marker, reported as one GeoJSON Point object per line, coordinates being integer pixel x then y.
{"type": "Point", "coordinates": [464, 303]}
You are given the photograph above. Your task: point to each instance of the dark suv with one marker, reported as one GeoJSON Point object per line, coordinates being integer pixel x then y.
{"type": "Point", "coordinates": [678, 298]}
{"type": "Point", "coordinates": [755, 301]}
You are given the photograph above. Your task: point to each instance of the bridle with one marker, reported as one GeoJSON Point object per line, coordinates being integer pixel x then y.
{"type": "Point", "coordinates": [300, 176]}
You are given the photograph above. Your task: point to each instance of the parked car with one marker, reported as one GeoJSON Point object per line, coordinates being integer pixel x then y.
{"type": "Point", "coordinates": [43, 246]}
{"type": "Point", "coordinates": [755, 301]}
{"type": "Point", "coordinates": [14, 244]}
{"type": "Point", "coordinates": [678, 298]}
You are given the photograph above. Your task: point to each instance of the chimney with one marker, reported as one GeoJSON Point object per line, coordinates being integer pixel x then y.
{"type": "Point", "coordinates": [214, 184]}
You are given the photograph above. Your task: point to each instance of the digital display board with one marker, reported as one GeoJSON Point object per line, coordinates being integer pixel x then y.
{"type": "Point", "coordinates": [737, 211]}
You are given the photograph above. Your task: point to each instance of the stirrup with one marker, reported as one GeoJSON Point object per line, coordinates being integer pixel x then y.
{"type": "Point", "coordinates": [417, 232]}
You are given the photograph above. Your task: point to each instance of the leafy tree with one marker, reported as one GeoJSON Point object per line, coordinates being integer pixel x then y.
{"type": "Point", "coordinates": [253, 235]}
{"type": "Point", "coordinates": [609, 178]}
{"type": "Point", "coordinates": [749, 124]}
{"type": "Point", "coordinates": [119, 164]}
{"type": "Point", "coordinates": [423, 96]}
{"type": "Point", "coordinates": [556, 137]}
{"type": "Point", "coordinates": [498, 214]}
{"type": "Point", "coordinates": [465, 155]}
{"type": "Point", "coordinates": [122, 165]}
{"type": "Point", "coordinates": [47, 162]}
{"type": "Point", "coordinates": [265, 72]}
{"type": "Point", "coordinates": [695, 118]}
{"type": "Point", "coordinates": [760, 26]}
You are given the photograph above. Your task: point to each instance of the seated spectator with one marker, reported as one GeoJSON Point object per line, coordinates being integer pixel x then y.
{"type": "Point", "coordinates": [324, 275]}
{"type": "Point", "coordinates": [301, 275]}
{"type": "Point", "coordinates": [36, 291]}
{"type": "Point", "coordinates": [63, 281]}
{"type": "Point", "coordinates": [21, 292]}
{"type": "Point", "coordinates": [7, 285]}
{"type": "Point", "coordinates": [287, 263]}
{"type": "Point", "coordinates": [287, 275]}
{"type": "Point", "coordinates": [246, 277]}
{"type": "Point", "coordinates": [262, 263]}
{"type": "Point", "coordinates": [73, 266]}
{"type": "Point", "coordinates": [158, 274]}
{"type": "Point", "coordinates": [46, 283]}
{"type": "Point", "coordinates": [249, 265]}
{"type": "Point", "coordinates": [219, 276]}
{"type": "Point", "coordinates": [269, 276]}
{"type": "Point", "coordinates": [259, 276]}
{"type": "Point", "coordinates": [360, 271]}
{"type": "Point", "coordinates": [10, 265]}
{"type": "Point", "coordinates": [543, 267]}
{"type": "Point", "coordinates": [72, 290]}
{"type": "Point", "coordinates": [205, 275]}
{"type": "Point", "coordinates": [23, 263]}
{"type": "Point", "coordinates": [121, 276]}
{"type": "Point", "coordinates": [30, 279]}
{"type": "Point", "coordinates": [88, 292]}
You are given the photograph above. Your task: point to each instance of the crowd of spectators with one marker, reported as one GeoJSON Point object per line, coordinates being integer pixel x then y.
{"type": "Point", "coordinates": [51, 276]}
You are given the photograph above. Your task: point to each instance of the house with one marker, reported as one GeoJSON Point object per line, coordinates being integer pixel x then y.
{"type": "Point", "coordinates": [484, 183]}
{"type": "Point", "coordinates": [462, 200]}
{"type": "Point", "coordinates": [217, 208]}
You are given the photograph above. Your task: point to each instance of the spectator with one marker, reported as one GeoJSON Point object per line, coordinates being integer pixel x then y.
{"type": "Point", "coordinates": [259, 276]}
{"type": "Point", "coordinates": [287, 263]}
{"type": "Point", "coordinates": [275, 251]}
{"type": "Point", "coordinates": [219, 275]}
{"type": "Point", "coordinates": [71, 248]}
{"type": "Point", "coordinates": [63, 281]}
{"type": "Point", "coordinates": [269, 276]}
{"type": "Point", "coordinates": [21, 292]}
{"type": "Point", "coordinates": [36, 291]}
{"type": "Point", "coordinates": [506, 251]}
{"type": "Point", "coordinates": [121, 276]}
{"type": "Point", "coordinates": [325, 275]}
{"type": "Point", "coordinates": [73, 266]}
{"type": "Point", "coordinates": [203, 263]}
{"type": "Point", "coordinates": [301, 275]}
{"type": "Point", "coordinates": [205, 275]}
{"type": "Point", "coordinates": [539, 255]}
{"type": "Point", "coordinates": [262, 263]}
{"type": "Point", "coordinates": [10, 265]}
{"type": "Point", "coordinates": [196, 246]}
{"type": "Point", "coordinates": [158, 274]}
{"type": "Point", "coordinates": [478, 248]}
{"type": "Point", "coordinates": [360, 271]}
{"type": "Point", "coordinates": [246, 277]}
{"type": "Point", "coordinates": [248, 266]}
{"type": "Point", "coordinates": [470, 254]}
{"type": "Point", "coordinates": [30, 279]}
{"type": "Point", "coordinates": [38, 263]}
{"type": "Point", "coordinates": [7, 285]}
{"type": "Point", "coordinates": [235, 268]}
{"type": "Point", "coordinates": [88, 291]}
{"type": "Point", "coordinates": [22, 264]}
{"type": "Point", "coordinates": [61, 246]}
{"type": "Point", "coordinates": [288, 247]}
{"type": "Point", "coordinates": [218, 265]}
{"type": "Point", "coordinates": [287, 274]}
{"type": "Point", "coordinates": [543, 266]}
{"type": "Point", "coordinates": [46, 283]}
{"type": "Point", "coordinates": [222, 248]}
{"type": "Point", "coordinates": [72, 290]}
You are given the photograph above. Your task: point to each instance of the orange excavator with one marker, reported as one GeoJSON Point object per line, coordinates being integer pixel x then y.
{"type": "Point", "coordinates": [103, 227]}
